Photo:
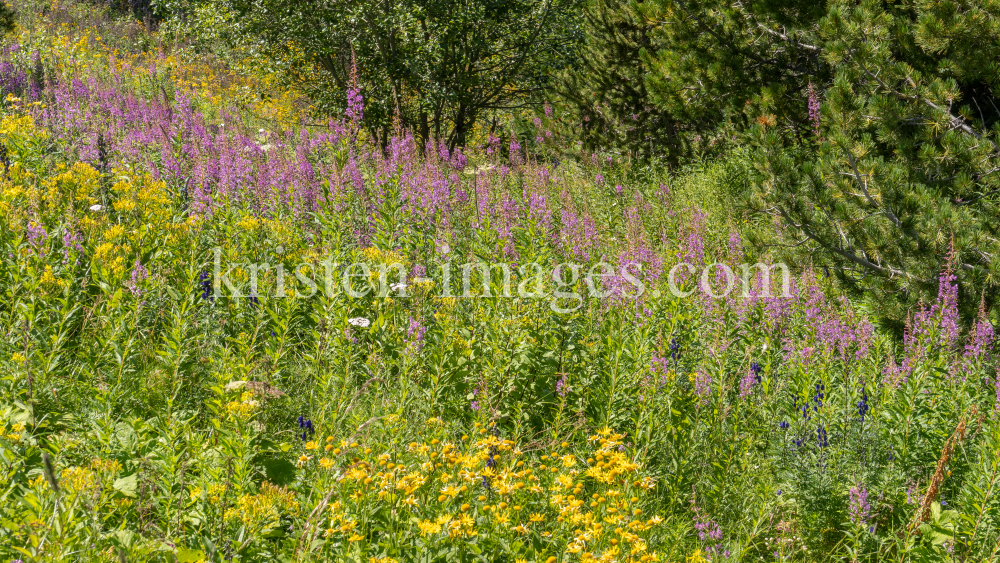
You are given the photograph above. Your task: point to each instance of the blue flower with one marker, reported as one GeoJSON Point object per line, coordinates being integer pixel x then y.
{"type": "Point", "coordinates": [206, 286]}
{"type": "Point", "coordinates": [821, 436]}
{"type": "Point", "coordinates": [863, 405]}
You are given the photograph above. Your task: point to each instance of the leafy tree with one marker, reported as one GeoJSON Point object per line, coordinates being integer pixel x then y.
{"type": "Point", "coordinates": [441, 65]}
{"type": "Point", "coordinates": [873, 127]}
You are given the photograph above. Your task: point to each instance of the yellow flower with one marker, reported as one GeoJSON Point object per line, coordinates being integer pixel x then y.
{"type": "Point", "coordinates": [16, 431]}
{"type": "Point", "coordinates": [312, 445]}
{"type": "Point", "coordinates": [48, 278]}
{"type": "Point", "coordinates": [243, 407]}
{"type": "Point", "coordinates": [536, 517]}
{"type": "Point", "coordinates": [114, 232]}
{"type": "Point", "coordinates": [428, 528]}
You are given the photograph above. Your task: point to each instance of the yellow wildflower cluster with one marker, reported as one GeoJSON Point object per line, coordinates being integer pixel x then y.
{"type": "Point", "coordinates": [144, 196]}
{"type": "Point", "coordinates": [49, 279]}
{"type": "Point", "coordinates": [610, 461]}
{"type": "Point", "coordinates": [249, 224]}
{"type": "Point", "coordinates": [20, 127]}
{"type": "Point", "coordinates": [450, 490]}
{"type": "Point", "coordinates": [243, 407]}
{"type": "Point", "coordinates": [263, 510]}
{"type": "Point", "coordinates": [110, 255]}
{"type": "Point", "coordinates": [376, 257]}
{"type": "Point", "coordinates": [14, 434]}
{"type": "Point", "coordinates": [78, 479]}
{"type": "Point", "coordinates": [79, 182]}
{"type": "Point", "coordinates": [108, 466]}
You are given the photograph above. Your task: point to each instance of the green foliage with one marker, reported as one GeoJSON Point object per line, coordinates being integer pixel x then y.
{"type": "Point", "coordinates": [440, 66]}
{"type": "Point", "coordinates": [606, 88]}
{"type": "Point", "coordinates": [151, 412]}
{"type": "Point", "coordinates": [8, 18]}
{"type": "Point", "coordinates": [871, 128]}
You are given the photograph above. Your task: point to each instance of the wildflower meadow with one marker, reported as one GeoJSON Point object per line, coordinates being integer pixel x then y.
{"type": "Point", "coordinates": [234, 330]}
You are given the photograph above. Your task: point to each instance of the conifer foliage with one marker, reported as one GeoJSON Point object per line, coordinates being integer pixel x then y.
{"type": "Point", "coordinates": [607, 86]}
{"type": "Point", "coordinates": [872, 125]}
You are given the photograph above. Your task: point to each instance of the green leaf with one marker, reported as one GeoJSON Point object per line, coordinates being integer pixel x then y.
{"type": "Point", "coordinates": [126, 485]}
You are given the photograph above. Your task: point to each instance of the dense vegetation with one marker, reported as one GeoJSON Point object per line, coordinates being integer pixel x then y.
{"type": "Point", "coordinates": [236, 325]}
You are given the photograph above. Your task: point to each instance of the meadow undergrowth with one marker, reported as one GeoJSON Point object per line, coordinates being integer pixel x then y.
{"type": "Point", "coordinates": [165, 398]}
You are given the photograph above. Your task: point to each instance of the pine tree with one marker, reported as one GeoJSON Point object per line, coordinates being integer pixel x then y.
{"type": "Point", "coordinates": [607, 86]}
{"type": "Point", "coordinates": [873, 127]}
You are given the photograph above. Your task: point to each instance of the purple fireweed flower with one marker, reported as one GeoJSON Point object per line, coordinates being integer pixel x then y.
{"type": "Point", "coordinates": [735, 247]}
{"type": "Point", "coordinates": [747, 384]}
{"type": "Point", "coordinates": [981, 337]}
{"type": "Point", "coordinates": [355, 104]}
{"type": "Point", "coordinates": [139, 274]}
{"type": "Point", "coordinates": [911, 494]}
{"type": "Point", "coordinates": [37, 235]}
{"type": "Point", "coordinates": [814, 108]}
{"type": "Point", "coordinates": [702, 386]}
{"type": "Point", "coordinates": [478, 391]}
{"type": "Point", "coordinates": [415, 335]}
{"type": "Point", "coordinates": [860, 511]}
{"type": "Point", "coordinates": [515, 150]}
{"type": "Point", "coordinates": [578, 233]}
{"type": "Point", "coordinates": [996, 388]}
{"type": "Point", "coordinates": [71, 241]}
